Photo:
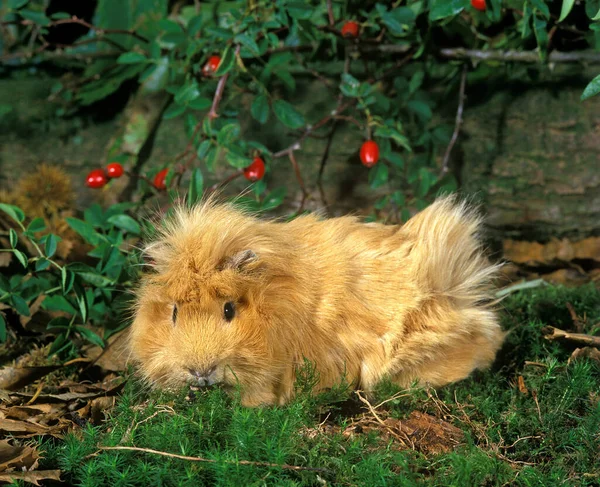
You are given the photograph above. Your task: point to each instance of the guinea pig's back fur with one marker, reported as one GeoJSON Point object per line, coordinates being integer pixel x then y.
{"type": "Point", "coordinates": [360, 301]}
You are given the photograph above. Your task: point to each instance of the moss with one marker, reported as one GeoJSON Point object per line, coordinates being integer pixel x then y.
{"type": "Point", "coordinates": [544, 435]}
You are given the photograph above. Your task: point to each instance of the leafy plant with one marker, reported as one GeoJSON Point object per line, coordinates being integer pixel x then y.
{"type": "Point", "coordinates": [79, 294]}
{"type": "Point", "coordinates": [386, 74]}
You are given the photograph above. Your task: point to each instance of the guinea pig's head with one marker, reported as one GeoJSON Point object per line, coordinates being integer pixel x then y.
{"type": "Point", "coordinates": [201, 316]}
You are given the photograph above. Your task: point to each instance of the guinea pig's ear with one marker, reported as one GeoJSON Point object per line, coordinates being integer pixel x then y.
{"type": "Point", "coordinates": [240, 261]}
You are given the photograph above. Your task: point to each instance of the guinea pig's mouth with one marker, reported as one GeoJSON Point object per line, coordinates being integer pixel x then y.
{"type": "Point", "coordinates": [204, 378]}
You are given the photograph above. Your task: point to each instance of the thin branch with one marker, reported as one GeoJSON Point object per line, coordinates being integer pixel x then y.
{"type": "Point", "coordinates": [458, 121]}
{"type": "Point", "coordinates": [100, 31]}
{"type": "Point", "coordinates": [324, 159]}
{"type": "Point", "coordinates": [551, 333]}
{"type": "Point", "coordinates": [300, 180]}
{"type": "Point", "coordinates": [211, 460]}
{"type": "Point", "coordinates": [330, 13]}
{"type": "Point", "coordinates": [533, 57]}
{"type": "Point", "coordinates": [225, 181]}
{"type": "Point", "coordinates": [212, 114]}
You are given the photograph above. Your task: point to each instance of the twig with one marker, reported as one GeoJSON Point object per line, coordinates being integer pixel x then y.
{"type": "Point", "coordinates": [212, 114]}
{"type": "Point", "coordinates": [330, 13]}
{"type": "Point", "coordinates": [98, 30]}
{"type": "Point", "coordinates": [300, 180]}
{"type": "Point", "coordinates": [210, 460]}
{"type": "Point", "coordinates": [533, 57]}
{"type": "Point", "coordinates": [324, 162]}
{"type": "Point", "coordinates": [551, 333]}
{"type": "Point", "coordinates": [382, 423]}
{"type": "Point", "coordinates": [458, 121]}
{"type": "Point", "coordinates": [225, 181]}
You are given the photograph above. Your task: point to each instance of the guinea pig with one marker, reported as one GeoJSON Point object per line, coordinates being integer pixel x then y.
{"type": "Point", "coordinates": [242, 302]}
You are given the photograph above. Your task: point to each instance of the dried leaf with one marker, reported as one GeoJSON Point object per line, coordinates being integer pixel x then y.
{"type": "Point", "coordinates": [19, 457]}
{"type": "Point", "coordinates": [521, 384]}
{"type": "Point", "coordinates": [14, 378]}
{"type": "Point", "coordinates": [585, 352]}
{"type": "Point", "coordinates": [32, 477]}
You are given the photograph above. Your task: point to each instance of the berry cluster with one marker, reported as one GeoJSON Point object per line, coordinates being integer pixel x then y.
{"type": "Point", "coordinates": [98, 178]}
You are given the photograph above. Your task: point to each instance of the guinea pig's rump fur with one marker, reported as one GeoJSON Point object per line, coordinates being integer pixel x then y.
{"type": "Point", "coordinates": [238, 301]}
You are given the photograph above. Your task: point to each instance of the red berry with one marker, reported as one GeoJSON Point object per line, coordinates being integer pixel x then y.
{"type": "Point", "coordinates": [256, 170]}
{"type": "Point", "coordinates": [350, 29]}
{"type": "Point", "coordinates": [211, 65]}
{"type": "Point", "coordinates": [96, 179]}
{"type": "Point", "coordinates": [478, 5]}
{"type": "Point", "coordinates": [159, 179]}
{"type": "Point", "coordinates": [114, 170]}
{"type": "Point", "coordinates": [369, 153]}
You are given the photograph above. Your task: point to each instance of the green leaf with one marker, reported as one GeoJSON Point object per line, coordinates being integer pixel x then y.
{"type": "Point", "coordinates": [58, 344]}
{"type": "Point", "coordinates": [35, 17]}
{"type": "Point", "coordinates": [288, 115]}
{"type": "Point", "coordinates": [397, 19]}
{"type": "Point", "coordinates": [228, 134]}
{"type": "Point", "coordinates": [20, 305]}
{"type": "Point", "coordinates": [421, 109]}
{"type": "Point", "coordinates": [247, 42]}
{"type": "Point", "coordinates": [59, 323]}
{"type": "Point", "coordinates": [90, 336]}
{"type": "Point", "coordinates": [13, 237]}
{"type": "Point", "coordinates": [380, 175]}
{"type": "Point", "coordinates": [36, 225]}
{"type": "Point", "coordinates": [58, 303]}
{"type": "Point", "coordinates": [200, 103]}
{"type": "Point", "coordinates": [21, 256]}
{"type": "Point", "coordinates": [273, 199]}
{"type": "Point", "coordinates": [51, 243]}
{"type": "Point", "coordinates": [125, 222]}
{"type": "Point", "coordinates": [15, 4]}
{"type": "Point", "coordinates": [350, 85]}
{"type": "Point", "coordinates": [567, 5]}
{"type": "Point", "coordinates": [41, 264]}
{"type": "Point", "coordinates": [227, 62]}
{"type": "Point", "coordinates": [94, 215]}
{"type": "Point", "coordinates": [131, 58]}
{"type": "Point", "coordinates": [441, 9]}
{"type": "Point", "coordinates": [260, 109]}
{"type": "Point", "coordinates": [187, 93]}
{"type": "Point", "coordinates": [84, 229]}
{"type": "Point", "coordinates": [173, 111]}
{"type": "Point", "coordinates": [95, 279]}
{"type": "Point", "coordinates": [67, 279]}
{"type": "Point", "coordinates": [592, 89]}
{"type": "Point", "coordinates": [196, 187]}
{"type": "Point", "coordinates": [13, 211]}
{"type": "Point", "coordinates": [237, 158]}
{"type": "Point", "coordinates": [542, 7]}
{"type": "Point", "coordinates": [2, 329]}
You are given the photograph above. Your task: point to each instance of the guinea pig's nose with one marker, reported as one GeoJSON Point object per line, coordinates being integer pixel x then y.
{"type": "Point", "coordinates": [205, 376]}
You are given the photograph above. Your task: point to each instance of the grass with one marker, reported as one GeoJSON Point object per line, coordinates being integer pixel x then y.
{"type": "Point", "coordinates": [545, 435]}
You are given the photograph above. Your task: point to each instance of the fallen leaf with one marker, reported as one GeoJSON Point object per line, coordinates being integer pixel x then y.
{"type": "Point", "coordinates": [14, 378]}
{"type": "Point", "coordinates": [32, 477]}
{"type": "Point", "coordinates": [535, 253]}
{"type": "Point", "coordinates": [585, 352]}
{"type": "Point", "coordinates": [521, 384]}
{"type": "Point", "coordinates": [15, 456]}
{"type": "Point", "coordinates": [113, 358]}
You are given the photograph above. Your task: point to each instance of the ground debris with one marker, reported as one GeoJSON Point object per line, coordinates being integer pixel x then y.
{"type": "Point", "coordinates": [19, 462]}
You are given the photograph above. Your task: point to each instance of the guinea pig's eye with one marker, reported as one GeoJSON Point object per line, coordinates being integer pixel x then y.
{"type": "Point", "coordinates": [229, 310]}
{"type": "Point", "coordinates": [174, 313]}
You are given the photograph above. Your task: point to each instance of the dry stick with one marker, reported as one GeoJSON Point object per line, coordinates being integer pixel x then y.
{"type": "Point", "coordinates": [382, 423]}
{"type": "Point", "coordinates": [533, 57]}
{"type": "Point", "coordinates": [211, 115]}
{"type": "Point", "coordinates": [324, 161]}
{"type": "Point", "coordinates": [457, 123]}
{"type": "Point", "coordinates": [330, 13]}
{"type": "Point", "coordinates": [551, 333]}
{"type": "Point", "coordinates": [210, 460]}
{"type": "Point", "coordinates": [299, 178]}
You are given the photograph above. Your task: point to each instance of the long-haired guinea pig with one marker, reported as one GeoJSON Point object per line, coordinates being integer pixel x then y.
{"type": "Point", "coordinates": [241, 302]}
